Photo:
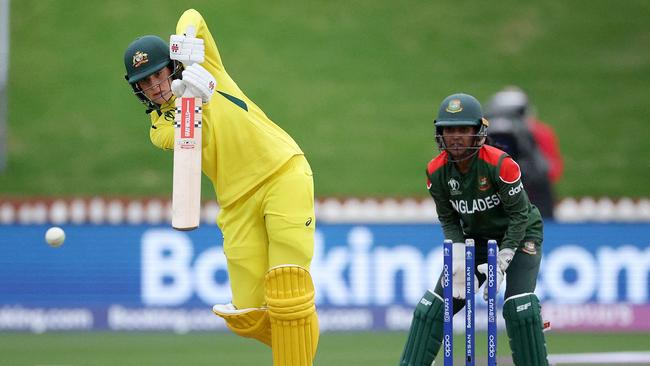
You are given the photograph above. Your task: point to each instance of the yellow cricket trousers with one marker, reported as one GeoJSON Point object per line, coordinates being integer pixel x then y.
{"type": "Point", "coordinates": [273, 224]}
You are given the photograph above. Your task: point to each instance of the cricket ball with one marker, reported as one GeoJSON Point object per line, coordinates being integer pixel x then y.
{"type": "Point", "coordinates": [54, 236]}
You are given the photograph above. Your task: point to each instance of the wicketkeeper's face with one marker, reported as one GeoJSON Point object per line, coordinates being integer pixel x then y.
{"type": "Point", "coordinates": [459, 140]}
{"type": "Point", "coordinates": [157, 86]}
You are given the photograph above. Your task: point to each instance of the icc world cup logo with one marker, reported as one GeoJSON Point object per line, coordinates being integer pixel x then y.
{"type": "Point", "coordinates": [454, 185]}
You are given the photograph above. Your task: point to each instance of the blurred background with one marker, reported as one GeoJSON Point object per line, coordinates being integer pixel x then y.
{"type": "Point", "coordinates": [357, 84]}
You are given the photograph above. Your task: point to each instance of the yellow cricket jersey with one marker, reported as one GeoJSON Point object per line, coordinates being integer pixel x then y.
{"type": "Point", "coordinates": [241, 145]}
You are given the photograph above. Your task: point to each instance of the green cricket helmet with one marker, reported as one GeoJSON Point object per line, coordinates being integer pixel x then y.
{"type": "Point", "coordinates": [143, 57]}
{"type": "Point", "coordinates": [461, 110]}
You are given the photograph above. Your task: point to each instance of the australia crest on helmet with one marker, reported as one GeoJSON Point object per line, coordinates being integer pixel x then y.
{"type": "Point", "coordinates": [140, 58]}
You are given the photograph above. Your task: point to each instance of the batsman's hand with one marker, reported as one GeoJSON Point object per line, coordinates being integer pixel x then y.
{"type": "Point", "coordinates": [482, 268]}
{"type": "Point", "coordinates": [197, 81]}
{"type": "Point", "coordinates": [178, 88]}
{"type": "Point", "coordinates": [458, 272]}
{"type": "Point", "coordinates": [186, 48]}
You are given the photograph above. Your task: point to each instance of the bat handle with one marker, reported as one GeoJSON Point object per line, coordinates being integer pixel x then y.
{"type": "Point", "coordinates": [188, 94]}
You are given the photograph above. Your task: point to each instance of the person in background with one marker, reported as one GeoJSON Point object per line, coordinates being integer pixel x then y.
{"type": "Point", "coordinates": [516, 129]}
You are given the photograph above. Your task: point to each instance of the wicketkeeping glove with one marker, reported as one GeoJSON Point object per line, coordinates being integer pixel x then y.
{"type": "Point", "coordinates": [504, 258]}
{"type": "Point", "coordinates": [458, 272]}
{"type": "Point", "coordinates": [503, 261]}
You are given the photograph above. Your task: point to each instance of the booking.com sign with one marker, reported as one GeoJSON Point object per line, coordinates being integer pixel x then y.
{"type": "Point", "coordinates": [379, 265]}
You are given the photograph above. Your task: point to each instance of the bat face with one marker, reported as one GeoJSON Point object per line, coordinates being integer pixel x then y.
{"type": "Point", "coordinates": [187, 118]}
{"type": "Point", "coordinates": [188, 123]}
{"type": "Point", "coordinates": [186, 196]}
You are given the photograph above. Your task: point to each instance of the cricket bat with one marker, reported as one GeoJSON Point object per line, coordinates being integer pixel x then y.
{"type": "Point", "coordinates": [186, 190]}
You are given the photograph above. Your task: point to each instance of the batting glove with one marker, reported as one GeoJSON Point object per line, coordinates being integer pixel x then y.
{"type": "Point", "coordinates": [181, 89]}
{"type": "Point", "coordinates": [178, 88]}
{"type": "Point", "coordinates": [186, 48]}
{"type": "Point", "coordinates": [199, 82]}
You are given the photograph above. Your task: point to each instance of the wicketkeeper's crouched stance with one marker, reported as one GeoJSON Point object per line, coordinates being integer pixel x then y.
{"type": "Point", "coordinates": [478, 194]}
{"type": "Point", "coordinates": [263, 182]}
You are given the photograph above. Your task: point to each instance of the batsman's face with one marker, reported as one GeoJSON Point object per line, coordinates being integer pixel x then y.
{"type": "Point", "coordinates": [458, 140]}
{"type": "Point", "coordinates": [157, 86]}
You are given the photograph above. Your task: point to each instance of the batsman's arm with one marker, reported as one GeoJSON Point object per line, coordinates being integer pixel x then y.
{"type": "Point", "coordinates": [192, 17]}
{"type": "Point", "coordinates": [161, 132]}
{"type": "Point", "coordinates": [515, 202]}
{"type": "Point", "coordinates": [212, 59]}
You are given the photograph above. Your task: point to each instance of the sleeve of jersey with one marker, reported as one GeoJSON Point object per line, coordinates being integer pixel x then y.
{"type": "Point", "coordinates": [161, 132]}
{"type": "Point", "coordinates": [212, 58]}
{"type": "Point", "coordinates": [449, 219]}
{"type": "Point", "coordinates": [515, 202]}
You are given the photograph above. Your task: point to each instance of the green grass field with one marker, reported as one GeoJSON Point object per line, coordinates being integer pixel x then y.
{"type": "Point", "coordinates": [349, 349]}
{"type": "Point", "coordinates": [356, 83]}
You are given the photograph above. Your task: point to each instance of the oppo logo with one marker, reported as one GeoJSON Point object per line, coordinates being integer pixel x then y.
{"type": "Point", "coordinates": [447, 346]}
{"type": "Point", "coordinates": [491, 275]}
{"type": "Point", "coordinates": [445, 276]}
{"type": "Point", "coordinates": [492, 346]}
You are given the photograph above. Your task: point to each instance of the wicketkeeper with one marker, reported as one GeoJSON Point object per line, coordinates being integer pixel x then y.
{"type": "Point", "coordinates": [263, 182]}
{"type": "Point", "coordinates": [478, 194]}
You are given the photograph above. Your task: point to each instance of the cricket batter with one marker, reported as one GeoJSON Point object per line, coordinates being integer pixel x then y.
{"type": "Point", "coordinates": [263, 183]}
{"type": "Point", "coordinates": [478, 194]}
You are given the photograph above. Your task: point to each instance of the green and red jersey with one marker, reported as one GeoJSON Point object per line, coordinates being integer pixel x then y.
{"type": "Point", "coordinates": [487, 202]}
